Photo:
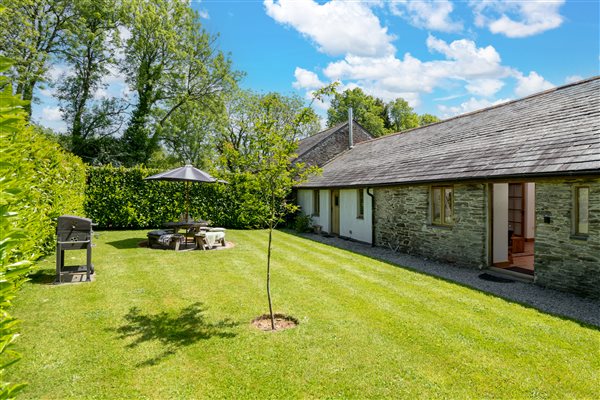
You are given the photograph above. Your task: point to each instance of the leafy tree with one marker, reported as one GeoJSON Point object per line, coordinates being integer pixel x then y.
{"type": "Point", "coordinates": [89, 52]}
{"type": "Point", "coordinates": [402, 116]}
{"type": "Point", "coordinates": [426, 119]}
{"type": "Point", "coordinates": [169, 62]}
{"type": "Point", "coordinates": [238, 139]}
{"type": "Point", "coordinates": [188, 134]}
{"type": "Point", "coordinates": [374, 114]}
{"type": "Point", "coordinates": [367, 110]}
{"type": "Point", "coordinates": [268, 171]}
{"type": "Point", "coordinates": [32, 33]}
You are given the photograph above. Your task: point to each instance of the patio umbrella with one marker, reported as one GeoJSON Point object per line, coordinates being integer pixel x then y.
{"type": "Point", "coordinates": [187, 174]}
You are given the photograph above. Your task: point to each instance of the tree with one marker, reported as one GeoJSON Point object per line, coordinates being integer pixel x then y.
{"type": "Point", "coordinates": [366, 110]}
{"type": "Point", "coordinates": [402, 116]}
{"type": "Point", "coordinates": [169, 62]}
{"type": "Point", "coordinates": [268, 169]}
{"type": "Point", "coordinates": [188, 134]}
{"type": "Point", "coordinates": [89, 53]}
{"type": "Point", "coordinates": [426, 119]}
{"type": "Point", "coordinates": [32, 33]}
{"type": "Point", "coordinates": [237, 141]}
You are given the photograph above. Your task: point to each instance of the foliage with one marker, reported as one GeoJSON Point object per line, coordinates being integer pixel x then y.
{"type": "Point", "coordinates": [374, 114]}
{"type": "Point", "coordinates": [238, 141]}
{"type": "Point", "coordinates": [402, 116]}
{"type": "Point", "coordinates": [37, 185]}
{"type": "Point", "coordinates": [32, 32]}
{"type": "Point", "coordinates": [303, 223]}
{"type": "Point", "coordinates": [368, 330]}
{"type": "Point", "coordinates": [426, 119]}
{"type": "Point", "coordinates": [120, 198]}
{"type": "Point", "coordinates": [267, 166]}
{"type": "Point", "coordinates": [366, 110]}
{"type": "Point", "coordinates": [89, 54]}
{"type": "Point", "coordinates": [169, 62]}
{"type": "Point", "coordinates": [188, 134]}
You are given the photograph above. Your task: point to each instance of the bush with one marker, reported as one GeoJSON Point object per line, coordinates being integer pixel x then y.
{"type": "Point", "coordinates": [303, 223]}
{"type": "Point", "coordinates": [120, 198]}
{"type": "Point", "coordinates": [39, 182]}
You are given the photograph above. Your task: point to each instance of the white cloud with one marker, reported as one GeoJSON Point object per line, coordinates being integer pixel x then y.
{"type": "Point", "coordinates": [51, 114]}
{"type": "Point", "coordinates": [470, 105]}
{"type": "Point", "coordinates": [516, 19]}
{"type": "Point", "coordinates": [529, 84]}
{"type": "Point", "coordinates": [203, 14]}
{"type": "Point", "coordinates": [306, 79]}
{"type": "Point", "coordinates": [484, 87]}
{"type": "Point", "coordinates": [479, 68]}
{"type": "Point", "coordinates": [428, 14]}
{"type": "Point", "coordinates": [337, 27]}
{"type": "Point", "coordinates": [573, 78]}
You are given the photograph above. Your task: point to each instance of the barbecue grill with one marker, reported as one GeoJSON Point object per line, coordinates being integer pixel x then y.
{"type": "Point", "coordinates": [73, 233]}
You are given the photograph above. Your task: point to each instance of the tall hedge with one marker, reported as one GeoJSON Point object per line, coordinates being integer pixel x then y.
{"type": "Point", "coordinates": [120, 198]}
{"type": "Point", "coordinates": [40, 182]}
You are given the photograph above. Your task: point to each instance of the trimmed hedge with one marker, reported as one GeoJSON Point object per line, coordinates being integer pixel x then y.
{"type": "Point", "coordinates": [41, 182]}
{"type": "Point", "coordinates": [120, 198]}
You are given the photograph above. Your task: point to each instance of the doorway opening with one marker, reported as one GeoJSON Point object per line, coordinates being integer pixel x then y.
{"type": "Point", "coordinates": [513, 227]}
{"type": "Point", "coordinates": [335, 212]}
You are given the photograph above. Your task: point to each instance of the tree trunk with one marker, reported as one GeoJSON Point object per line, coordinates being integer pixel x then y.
{"type": "Point", "coordinates": [269, 278]}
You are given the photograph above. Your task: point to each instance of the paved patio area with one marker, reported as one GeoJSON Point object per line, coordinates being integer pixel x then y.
{"type": "Point", "coordinates": [550, 301]}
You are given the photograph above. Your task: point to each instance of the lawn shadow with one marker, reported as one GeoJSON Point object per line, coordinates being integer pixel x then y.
{"type": "Point", "coordinates": [43, 277]}
{"type": "Point", "coordinates": [173, 331]}
{"type": "Point", "coordinates": [532, 303]}
{"type": "Point", "coordinates": [131, 243]}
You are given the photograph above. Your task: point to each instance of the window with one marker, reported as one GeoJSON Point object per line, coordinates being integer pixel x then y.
{"type": "Point", "coordinates": [582, 197]}
{"type": "Point", "coordinates": [442, 205]}
{"type": "Point", "coordinates": [360, 205]}
{"type": "Point", "coordinates": [316, 206]}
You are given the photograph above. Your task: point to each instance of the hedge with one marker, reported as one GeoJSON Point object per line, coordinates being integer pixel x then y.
{"type": "Point", "coordinates": [120, 198]}
{"type": "Point", "coordinates": [41, 182]}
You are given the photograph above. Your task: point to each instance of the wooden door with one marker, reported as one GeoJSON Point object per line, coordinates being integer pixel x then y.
{"type": "Point", "coordinates": [335, 212]}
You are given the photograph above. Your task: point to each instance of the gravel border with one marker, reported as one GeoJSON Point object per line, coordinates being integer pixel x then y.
{"type": "Point", "coordinates": [571, 306]}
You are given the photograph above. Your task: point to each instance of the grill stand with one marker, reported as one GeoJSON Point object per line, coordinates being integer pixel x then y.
{"type": "Point", "coordinates": [60, 259]}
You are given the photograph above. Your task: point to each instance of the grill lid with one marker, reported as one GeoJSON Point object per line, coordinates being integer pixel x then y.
{"type": "Point", "coordinates": [73, 223]}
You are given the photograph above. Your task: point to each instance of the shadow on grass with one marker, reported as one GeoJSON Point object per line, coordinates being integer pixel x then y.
{"type": "Point", "coordinates": [132, 243]}
{"type": "Point", "coordinates": [172, 331]}
{"type": "Point", "coordinates": [525, 303]}
{"type": "Point", "coordinates": [43, 277]}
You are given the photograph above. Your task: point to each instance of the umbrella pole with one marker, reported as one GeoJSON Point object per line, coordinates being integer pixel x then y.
{"type": "Point", "coordinates": [187, 203]}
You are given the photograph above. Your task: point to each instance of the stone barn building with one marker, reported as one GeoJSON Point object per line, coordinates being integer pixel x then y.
{"type": "Point", "coordinates": [514, 188]}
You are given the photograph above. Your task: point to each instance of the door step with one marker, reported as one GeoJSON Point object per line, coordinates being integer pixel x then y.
{"type": "Point", "coordinates": [514, 275]}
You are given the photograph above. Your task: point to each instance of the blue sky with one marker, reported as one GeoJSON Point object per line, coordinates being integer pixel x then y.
{"type": "Point", "coordinates": [444, 57]}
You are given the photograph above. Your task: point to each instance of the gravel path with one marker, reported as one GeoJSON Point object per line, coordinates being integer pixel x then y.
{"type": "Point", "coordinates": [546, 300]}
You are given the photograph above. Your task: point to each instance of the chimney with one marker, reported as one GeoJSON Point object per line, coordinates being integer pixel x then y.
{"type": "Point", "coordinates": [350, 127]}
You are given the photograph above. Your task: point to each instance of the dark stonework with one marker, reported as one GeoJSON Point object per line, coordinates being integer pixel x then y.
{"type": "Point", "coordinates": [332, 144]}
{"type": "Point", "coordinates": [402, 224]}
{"type": "Point", "coordinates": [564, 261]}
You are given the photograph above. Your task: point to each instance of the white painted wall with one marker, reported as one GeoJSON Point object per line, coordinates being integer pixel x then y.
{"type": "Point", "coordinates": [350, 225]}
{"type": "Point", "coordinates": [500, 223]}
{"type": "Point", "coordinates": [305, 201]}
{"type": "Point", "coordinates": [529, 210]}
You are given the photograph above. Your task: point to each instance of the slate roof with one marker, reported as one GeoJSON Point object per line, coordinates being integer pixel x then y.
{"type": "Point", "coordinates": [556, 132]}
{"type": "Point", "coordinates": [308, 143]}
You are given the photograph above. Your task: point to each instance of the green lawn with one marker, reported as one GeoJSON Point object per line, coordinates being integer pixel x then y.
{"type": "Point", "coordinates": [160, 324]}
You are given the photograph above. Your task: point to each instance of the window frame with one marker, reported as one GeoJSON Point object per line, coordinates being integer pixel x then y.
{"type": "Point", "coordinates": [443, 216]}
{"type": "Point", "coordinates": [316, 203]}
{"type": "Point", "coordinates": [360, 204]}
{"type": "Point", "coordinates": [576, 211]}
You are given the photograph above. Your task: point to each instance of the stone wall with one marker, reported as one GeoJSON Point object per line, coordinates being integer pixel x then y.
{"type": "Point", "coordinates": [333, 145]}
{"type": "Point", "coordinates": [563, 261]}
{"type": "Point", "coordinates": [402, 223]}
